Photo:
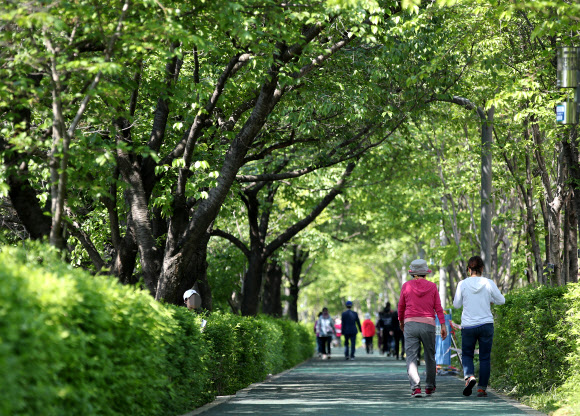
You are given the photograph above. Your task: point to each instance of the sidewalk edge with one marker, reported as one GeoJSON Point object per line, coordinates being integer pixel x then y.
{"type": "Point", "coordinates": [224, 399]}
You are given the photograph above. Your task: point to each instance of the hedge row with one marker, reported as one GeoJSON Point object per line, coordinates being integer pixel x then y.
{"type": "Point", "coordinates": [536, 351]}
{"type": "Point", "coordinates": [71, 343]}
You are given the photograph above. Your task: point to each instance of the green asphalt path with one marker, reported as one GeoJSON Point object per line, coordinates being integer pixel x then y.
{"type": "Point", "coordinates": [369, 385]}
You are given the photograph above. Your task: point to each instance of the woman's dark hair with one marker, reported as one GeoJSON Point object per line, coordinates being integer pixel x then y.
{"type": "Point", "coordinates": [476, 264]}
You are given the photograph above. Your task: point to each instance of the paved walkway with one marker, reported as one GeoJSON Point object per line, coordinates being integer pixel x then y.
{"type": "Point", "coordinates": [369, 385]}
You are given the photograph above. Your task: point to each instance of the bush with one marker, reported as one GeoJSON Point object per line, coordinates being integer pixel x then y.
{"type": "Point", "coordinates": [245, 350]}
{"type": "Point", "coordinates": [530, 344]}
{"type": "Point", "coordinates": [71, 343]}
{"type": "Point", "coordinates": [568, 392]}
{"type": "Point", "coordinates": [77, 344]}
{"type": "Point", "coordinates": [298, 342]}
{"type": "Point", "coordinates": [187, 355]}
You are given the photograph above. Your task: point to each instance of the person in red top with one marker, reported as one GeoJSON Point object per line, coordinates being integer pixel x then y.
{"type": "Point", "coordinates": [368, 332]}
{"type": "Point", "coordinates": [419, 306]}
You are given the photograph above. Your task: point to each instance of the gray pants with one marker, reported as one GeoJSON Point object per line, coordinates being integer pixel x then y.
{"type": "Point", "coordinates": [417, 333]}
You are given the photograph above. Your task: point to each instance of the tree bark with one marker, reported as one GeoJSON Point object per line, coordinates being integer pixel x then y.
{"type": "Point", "coordinates": [299, 257]}
{"type": "Point", "coordinates": [271, 296]}
{"type": "Point", "coordinates": [572, 157]}
{"type": "Point", "coordinates": [571, 232]}
{"type": "Point", "coordinates": [486, 197]}
{"type": "Point", "coordinates": [23, 198]}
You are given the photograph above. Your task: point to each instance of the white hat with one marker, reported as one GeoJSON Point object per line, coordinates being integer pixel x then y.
{"type": "Point", "coordinates": [188, 293]}
{"type": "Point", "coordinates": [367, 315]}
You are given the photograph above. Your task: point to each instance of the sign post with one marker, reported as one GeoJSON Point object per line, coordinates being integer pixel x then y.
{"type": "Point", "coordinates": [568, 76]}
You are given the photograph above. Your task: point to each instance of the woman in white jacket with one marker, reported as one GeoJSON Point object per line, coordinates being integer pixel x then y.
{"type": "Point", "coordinates": [476, 294]}
{"type": "Point", "coordinates": [325, 330]}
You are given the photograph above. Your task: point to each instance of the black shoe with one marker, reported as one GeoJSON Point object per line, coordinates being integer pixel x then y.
{"type": "Point", "coordinates": [346, 358]}
{"type": "Point", "coordinates": [469, 383]}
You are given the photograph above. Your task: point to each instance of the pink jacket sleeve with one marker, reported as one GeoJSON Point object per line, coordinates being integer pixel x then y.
{"type": "Point", "coordinates": [402, 304]}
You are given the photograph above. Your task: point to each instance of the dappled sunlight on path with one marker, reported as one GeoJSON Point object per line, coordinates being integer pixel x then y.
{"type": "Point", "coordinates": [369, 385]}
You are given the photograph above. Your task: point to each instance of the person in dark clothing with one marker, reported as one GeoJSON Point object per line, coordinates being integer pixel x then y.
{"type": "Point", "coordinates": [398, 335]}
{"type": "Point", "coordinates": [350, 323]}
{"type": "Point", "coordinates": [386, 328]}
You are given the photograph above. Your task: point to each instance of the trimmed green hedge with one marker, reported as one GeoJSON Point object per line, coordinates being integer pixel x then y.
{"type": "Point", "coordinates": [72, 343]}
{"type": "Point", "coordinates": [536, 351]}
{"type": "Point", "coordinates": [530, 345]}
{"type": "Point", "coordinates": [568, 393]}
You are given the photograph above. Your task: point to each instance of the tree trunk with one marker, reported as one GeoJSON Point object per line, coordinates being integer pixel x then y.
{"type": "Point", "coordinates": [486, 197]}
{"type": "Point", "coordinates": [125, 258]}
{"type": "Point", "coordinates": [251, 285]}
{"type": "Point", "coordinates": [24, 201]}
{"type": "Point", "coordinates": [453, 277]}
{"type": "Point", "coordinates": [554, 202]}
{"type": "Point", "coordinates": [572, 158]}
{"type": "Point", "coordinates": [544, 209]}
{"type": "Point", "coordinates": [571, 238]}
{"type": "Point", "coordinates": [299, 257]}
{"type": "Point", "coordinates": [187, 272]}
{"type": "Point", "coordinates": [271, 296]}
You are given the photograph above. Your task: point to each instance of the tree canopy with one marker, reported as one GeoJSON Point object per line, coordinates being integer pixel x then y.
{"type": "Point", "coordinates": [260, 149]}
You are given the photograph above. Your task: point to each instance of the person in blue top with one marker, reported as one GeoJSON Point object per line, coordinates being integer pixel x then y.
{"type": "Point", "coordinates": [476, 294]}
{"type": "Point", "coordinates": [350, 323]}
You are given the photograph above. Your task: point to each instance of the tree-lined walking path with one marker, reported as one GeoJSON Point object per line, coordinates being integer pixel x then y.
{"type": "Point", "coordinates": [369, 385]}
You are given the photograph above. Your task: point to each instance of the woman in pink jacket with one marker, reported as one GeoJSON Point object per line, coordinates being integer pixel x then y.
{"type": "Point", "coordinates": [419, 306]}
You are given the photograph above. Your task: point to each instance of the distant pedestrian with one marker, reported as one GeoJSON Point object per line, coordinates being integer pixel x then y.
{"type": "Point", "coordinates": [386, 325]}
{"type": "Point", "coordinates": [338, 334]}
{"type": "Point", "coordinates": [418, 305]}
{"type": "Point", "coordinates": [398, 336]}
{"type": "Point", "coordinates": [192, 299]}
{"type": "Point", "coordinates": [318, 340]}
{"type": "Point", "coordinates": [368, 332]}
{"type": "Point", "coordinates": [325, 329]}
{"type": "Point", "coordinates": [379, 334]}
{"type": "Point", "coordinates": [350, 323]}
{"type": "Point", "coordinates": [476, 294]}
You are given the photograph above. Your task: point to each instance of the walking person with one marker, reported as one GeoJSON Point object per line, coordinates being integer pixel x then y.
{"type": "Point", "coordinates": [325, 329]}
{"type": "Point", "coordinates": [399, 338]}
{"type": "Point", "coordinates": [318, 340]}
{"type": "Point", "coordinates": [338, 333]}
{"type": "Point", "coordinates": [419, 306]}
{"type": "Point", "coordinates": [476, 294]}
{"type": "Point", "coordinates": [368, 332]}
{"type": "Point", "coordinates": [350, 323]}
{"type": "Point", "coordinates": [386, 329]}
{"type": "Point", "coordinates": [378, 326]}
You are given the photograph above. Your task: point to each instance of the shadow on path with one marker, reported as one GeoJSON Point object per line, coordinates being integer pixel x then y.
{"type": "Point", "coordinates": [369, 385]}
